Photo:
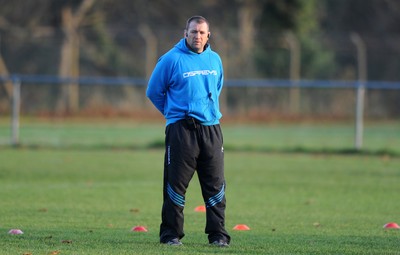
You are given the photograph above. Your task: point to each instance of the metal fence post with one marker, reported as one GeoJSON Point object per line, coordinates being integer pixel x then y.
{"type": "Point", "coordinates": [362, 77]}
{"type": "Point", "coordinates": [16, 102]}
{"type": "Point", "coordinates": [358, 142]}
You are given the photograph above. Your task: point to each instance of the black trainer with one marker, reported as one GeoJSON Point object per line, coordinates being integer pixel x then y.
{"type": "Point", "coordinates": [174, 242]}
{"type": "Point", "coordinates": [220, 243]}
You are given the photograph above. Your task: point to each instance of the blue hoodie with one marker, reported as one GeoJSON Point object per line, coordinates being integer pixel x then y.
{"type": "Point", "coordinates": [185, 83]}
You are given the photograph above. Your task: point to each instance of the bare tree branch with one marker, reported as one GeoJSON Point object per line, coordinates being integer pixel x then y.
{"type": "Point", "coordinates": [81, 12]}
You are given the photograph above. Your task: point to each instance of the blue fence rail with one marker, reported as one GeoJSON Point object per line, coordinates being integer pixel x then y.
{"type": "Point", "coordinates": [273, 83]}
{"type": "Point", "coordinates": [359, 86]}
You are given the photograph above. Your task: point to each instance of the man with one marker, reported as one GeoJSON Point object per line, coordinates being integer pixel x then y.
{"type": "Point", "coordinates": [185, 87]}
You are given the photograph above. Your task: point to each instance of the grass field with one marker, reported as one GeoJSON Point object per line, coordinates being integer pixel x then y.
{"type": "Point", "coordinates": [379, 137]}
{"type": "Point", "coordinates": [80, 188]}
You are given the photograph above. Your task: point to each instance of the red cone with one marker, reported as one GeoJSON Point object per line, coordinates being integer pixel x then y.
{"type": "Point", "coordinates": [391, 225]}
{"type": "Point", "coordinates": [241, 227]}
{"type": "Point", "coordinates": [139, 229]}
{"type": "Point", "coordinates": [200, 208]}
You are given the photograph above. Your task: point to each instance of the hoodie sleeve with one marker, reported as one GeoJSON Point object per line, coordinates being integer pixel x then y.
{"type": "Point", "coordinates": [221, 78]}
{"type": "Point", "coordinates": [158, 84]}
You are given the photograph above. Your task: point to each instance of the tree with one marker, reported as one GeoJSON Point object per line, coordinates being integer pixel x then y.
{"type": "Point", "coordinates": [69, 63]}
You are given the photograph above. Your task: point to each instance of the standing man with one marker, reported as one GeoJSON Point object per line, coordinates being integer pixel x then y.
{"type": "Point", "coordinates": [185, 87]}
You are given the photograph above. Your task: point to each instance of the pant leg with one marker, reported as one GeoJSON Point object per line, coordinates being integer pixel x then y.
{"type": "Point", "coordinates": [211, 176]}
{"type": "Point", "coordinates": [181, 151]}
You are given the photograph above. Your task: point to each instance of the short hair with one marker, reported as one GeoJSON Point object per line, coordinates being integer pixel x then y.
{"type": "Point", "coordinates": [199, 19]}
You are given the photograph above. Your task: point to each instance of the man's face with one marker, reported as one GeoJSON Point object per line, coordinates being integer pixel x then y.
{"type": "Point", "coordinates": [197, 36]}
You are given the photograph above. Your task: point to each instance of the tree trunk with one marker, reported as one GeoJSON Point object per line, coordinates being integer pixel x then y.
{"type": "Point", "coordinates": [151, 53]}
{"type": "Point", "coordinates": [8, 86]}
{"type": "Point", "coordinates": [69, 63]}
{"type": "Point", "coordinates": [247, 15]}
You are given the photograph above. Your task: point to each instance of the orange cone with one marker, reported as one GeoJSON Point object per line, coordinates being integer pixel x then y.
{"type": "Point", "coordinates": [139, 229]}
{"type": "Point", "coordinates": [241, 227]}
{"type": "Point", "coordinates": [391, 225]}
{"type": "Point", "coordinates": [200, 208]}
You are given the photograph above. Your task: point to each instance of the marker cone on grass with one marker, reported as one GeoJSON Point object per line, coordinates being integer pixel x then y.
{"type": "Point", "coordinates": [139, 229]}
{"type": "Point", "coordinates": [15, 232]}
{"type": "Point", "coordinates": [200, 208]}
{"type": "Point", "coordinates": [391, 225]}
{"type": "Point", "coordinates": [241, 227]}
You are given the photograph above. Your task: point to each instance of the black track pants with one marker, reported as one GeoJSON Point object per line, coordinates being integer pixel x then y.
{"type": "Point", "coordinates": [189, 148]}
